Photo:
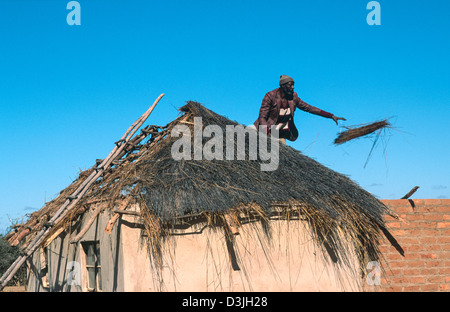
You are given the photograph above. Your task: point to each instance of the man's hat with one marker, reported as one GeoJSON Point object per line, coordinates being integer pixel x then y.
{"type": "Point", "coordinates": [285, 79]}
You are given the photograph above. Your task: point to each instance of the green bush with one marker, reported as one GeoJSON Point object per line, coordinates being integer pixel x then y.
{"type": "Point", "coordinates": [9, 254]}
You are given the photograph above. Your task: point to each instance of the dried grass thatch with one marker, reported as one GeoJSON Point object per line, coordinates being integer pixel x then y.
{"type": "Point", "coordinates": [360, 131]}
{"type": "Point", "coordinates": [336, 209]}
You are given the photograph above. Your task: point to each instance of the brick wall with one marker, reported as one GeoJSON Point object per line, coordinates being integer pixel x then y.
{"type": "Point", "coordinates": [423, 230]}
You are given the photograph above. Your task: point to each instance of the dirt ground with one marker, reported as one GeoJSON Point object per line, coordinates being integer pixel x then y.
{"type": "Point", "coordinates": [14, 289]}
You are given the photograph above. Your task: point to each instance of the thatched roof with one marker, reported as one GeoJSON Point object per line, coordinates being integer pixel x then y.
{"type": "Point", "coordinates": [334, 206]}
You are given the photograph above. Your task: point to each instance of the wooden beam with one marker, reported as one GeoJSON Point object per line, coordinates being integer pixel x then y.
{"type": "Point", "coordinates": [111, 222]}
{"type": "Point", "coordinates": [87, 225]}
{"type": "Point", "coordinates": [122, 211]}
{"type": "Point", "coordinates": [53, 236]}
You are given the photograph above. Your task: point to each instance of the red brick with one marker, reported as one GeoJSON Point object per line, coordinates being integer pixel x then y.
{"type": "Point", "coordinates": [409, 240]}
{"type": "Point", "coordinates": [446, 217]}
{"type": "Point", "coordinates": [444, 209]}
{"type": "Point", "coordinates": [416, 264]}
{"type": "Point", "coordinates": [397, 264]}
{"type": "Point", "coordinates": [428, 240]}
{"type": "Point", "coordinates": [394, 289]}
{"type": "Point", "coordinates": [433, 217]}
{"type": "Point", "coordinates": [428, 232]}
{"type": "Point", "coordinates": [410, 225]}
{"type": "Point", "coordinates": [396, 272]}
{"type": "Point", "coordinates": [398, 232]}
{"type": "Point", "coordinates": [414, 217]}
{"type": "Point", "coordinates": [394, 256]}
{"type": "Point", "coordinates": [397, 203]}
{"type": "Point", "coordinates": [399, 280]}
{"type": "Point", "coordinates": [435, 279]}
{"type": "Point", "coordinates": [411, 288]}
{"type": "Point", "coordinates": [429, 271]}
{"type": "Point", "coordinates": [428, 256]}
{"type": "Point", "coordinates": [443, 240]}
{"type": "Point", "coordinates": [417, 280]}
{"type": "Point", "coordinates": [428, 225]}
{"type": "Point", "coordinates": [410, 272]}
{"type": "Point", "coordinates": [429, 287]}
{"type": "Point", "coordinates": [432, 247]}
{"type": "Point", "coordinates": [427, 209]}
{"type": "Point", "coordinates": [433, 263]}
{"type": "Point", "coordinates": [412, 248]}
{"type": "Point", "coordinates": [383, 249]}
{"type": "Point", "coordinates": [419, 202]}
{"type": "Point", "coordinates": [394, 224]}
{"type": "Point", "coordinates": [445, 287]}
{"type": "Point", "coordinates": [432, 202]}
{"type": "Point", "coordinates": [403, 209]}
{"type": "Point", "coordinates": [413, 232]}
{"type": "Point", "coordinates": [444, 271]}
{"type": "Point", "coordinates": [441, 225]}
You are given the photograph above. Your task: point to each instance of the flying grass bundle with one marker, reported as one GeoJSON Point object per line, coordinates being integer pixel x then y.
{"type": "Point", "coordinates": [360, 131]}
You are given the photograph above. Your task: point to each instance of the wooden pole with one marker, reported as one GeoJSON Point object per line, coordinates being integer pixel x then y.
{"type": "Point", "coordinates": [412, 191]}
{"type": "Point", "coordinates": [87, 225]}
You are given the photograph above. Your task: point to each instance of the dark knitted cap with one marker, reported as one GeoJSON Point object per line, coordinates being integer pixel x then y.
{"type": "Point", "coordinates": [285, 79]}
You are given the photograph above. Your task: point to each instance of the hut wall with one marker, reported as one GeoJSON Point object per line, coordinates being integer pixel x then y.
{"type": "Point", "coordinates": [194, 259]}
{"type": "Point", "coordinates": [198, 259]}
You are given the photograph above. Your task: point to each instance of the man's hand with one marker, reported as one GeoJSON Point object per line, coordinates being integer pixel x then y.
{"type": "Point", "coordinates": [337, 118]}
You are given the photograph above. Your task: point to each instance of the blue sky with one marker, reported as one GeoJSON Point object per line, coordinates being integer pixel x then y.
{"type": "Point", "coordinates": [67, 93]}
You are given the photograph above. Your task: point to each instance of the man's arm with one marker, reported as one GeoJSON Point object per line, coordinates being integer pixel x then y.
{"type": "Point", "coordinates": [264, 111]}
{"type": "Point", "coordinates": [316, 111]}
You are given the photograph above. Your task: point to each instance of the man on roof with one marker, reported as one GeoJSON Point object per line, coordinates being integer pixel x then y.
{"type": "Point", "coordinates": [278, 107]}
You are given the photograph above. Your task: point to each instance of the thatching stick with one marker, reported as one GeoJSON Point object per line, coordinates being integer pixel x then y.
{"type": "Point", "coordinates": [413, 190]}
{"type": "Point", "coordinates": [19, 235]}
{"type": "Point", "coordinates": [75, 197]}
{"type": "Point", "coordinates": [53, 236]}
{"type": "Point", "coordinates": [131, 213]}
{"type": "Point", "coordinates": [111, 222]}
{"type": "Point", "coordinates": [232, 226]}
{"type": "Point", "coordinates": [391, 239]}
{"type": "Point", "coordinates": [117, 214]}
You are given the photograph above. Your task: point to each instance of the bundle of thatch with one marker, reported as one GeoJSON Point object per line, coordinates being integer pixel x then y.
{"type": "Point", "coordinates": [337, 210]}
{"type": "Point", "coordinates": [354, 132]}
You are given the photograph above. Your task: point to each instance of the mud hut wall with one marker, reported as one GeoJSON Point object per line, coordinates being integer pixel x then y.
{"type": "Point", "coordinates": [198, 259]}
